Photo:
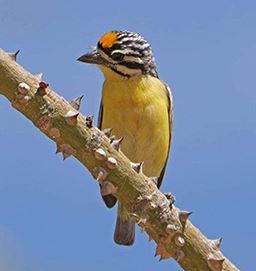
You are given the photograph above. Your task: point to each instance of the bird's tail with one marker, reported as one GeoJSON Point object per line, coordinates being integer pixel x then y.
{"type": "Point", "coordinates": [125, 227]}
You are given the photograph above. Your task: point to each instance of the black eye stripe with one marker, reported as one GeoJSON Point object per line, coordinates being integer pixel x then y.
{"type": "Point", "coordinates": [135, 54]}
{"type": "Point", "coordinates": [132, 65]}
{"type": "Point", "coordinates": [117, 56]}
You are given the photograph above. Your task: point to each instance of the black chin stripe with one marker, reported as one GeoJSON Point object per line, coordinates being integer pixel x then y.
{"type": "Point", "coordinates": [129, 65]}
{"type": "Point", "coordinates": [133, 65]}
{"type": "Point", "coordinates": [109, 50]}
{"type": "Point", "coordinates": [120, 73]}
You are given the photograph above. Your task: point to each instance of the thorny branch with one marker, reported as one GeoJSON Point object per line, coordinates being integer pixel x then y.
{"type": "Point", "coordinates": [99, 152]}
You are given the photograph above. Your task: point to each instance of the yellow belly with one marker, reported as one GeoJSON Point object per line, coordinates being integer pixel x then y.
{"type": "Point", "coordinates": [137, 109]}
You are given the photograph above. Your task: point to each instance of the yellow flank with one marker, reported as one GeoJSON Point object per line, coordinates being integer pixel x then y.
{"type": "Point", "coordinates": [137, 109]}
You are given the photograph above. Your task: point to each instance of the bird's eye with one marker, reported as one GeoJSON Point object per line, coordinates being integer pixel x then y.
{"type": "Point", "coordinates": [117, 56]}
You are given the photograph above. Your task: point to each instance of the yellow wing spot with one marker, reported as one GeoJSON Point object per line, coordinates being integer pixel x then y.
{"type": "Point", "coordinates": [108, 39]}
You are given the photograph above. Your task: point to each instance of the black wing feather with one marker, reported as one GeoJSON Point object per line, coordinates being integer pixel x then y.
{"type": "Point", "coordinates": [170, 110]}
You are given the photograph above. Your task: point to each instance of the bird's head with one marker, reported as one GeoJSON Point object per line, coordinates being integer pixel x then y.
{"type": "Point", "coordinates": [125, 53]}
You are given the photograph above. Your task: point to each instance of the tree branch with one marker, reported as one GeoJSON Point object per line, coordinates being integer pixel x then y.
{"type": "Point", "coordinates": [75, 135]}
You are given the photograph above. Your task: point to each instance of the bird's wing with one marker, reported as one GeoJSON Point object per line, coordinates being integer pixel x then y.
{"type": "Point", "coordinates": [170, 111]}
{"type": "Point", "coordinates": [100, 116]}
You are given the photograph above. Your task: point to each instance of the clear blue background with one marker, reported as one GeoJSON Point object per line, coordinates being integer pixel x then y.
{"type": "Point", "coordinates": [51, 214]}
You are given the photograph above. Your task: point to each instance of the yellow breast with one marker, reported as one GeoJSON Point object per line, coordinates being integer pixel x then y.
{"type": "Point", "coordinates": [137, 109]}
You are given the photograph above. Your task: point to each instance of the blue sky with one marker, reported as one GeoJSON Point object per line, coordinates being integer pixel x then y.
{"type": "Point", "coordinates": [52, 217]}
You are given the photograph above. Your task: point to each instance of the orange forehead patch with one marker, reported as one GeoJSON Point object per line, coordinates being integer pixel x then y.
{"type": "Point", "coordinates": [108, 39]}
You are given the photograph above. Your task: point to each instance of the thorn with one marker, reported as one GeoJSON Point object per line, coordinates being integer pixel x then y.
{"type": "Point", "coordinates": [170, 228]}
{"type": "Point", "coordinates": [137, 167]}
{"type": "Point", "coordinates": [88, 121]}
{"type": "Point", "coordinates": [23, 88]}
{"type": "Point", "coordinates": [76, 102]}
{"type": "Point", "coordinates": [116, 143]}
{"type": "Point", "coordinates": [170, 198]}
{"type": "Point", "coordinates": [66, 150]}
{"type": "Point", "coordinates": [107, 188]}
{"type": "Point", "coordinates": [71, 117]}
{"type": "Point", "coordinates": [13, 56]}
{"type": "Point", "coordinates": [149, 238]}
{"type": "Point", "coordinates": [216, 242]}
{"type": "Point", "coordinates": [179, 241]}
{"type": "Point", "coordinates": [107, 132]}
{"type": "Point", "coordinates": [58, 149]}
{"type": "Point", "coordinates": [111, 163]}
{"type": "Point", "coordinates": [100, 154]}
{"type": "Point", "coordinates": [100, 174]}
{"type": "Point", "coordinates": [168, 195]}
{"type": "Point", "coordinates": [162, 252]}
{"type": "Point", "coordinates": [160, 259]}
{"type": "Point", "coordinates": [183, 216]}
{"type": "Point", "coordinates": [179, 255]}
{"type": "Point", "coordinates": [42, 84]}
{"type": "Point", "coordinates": [39, 76]}
{"type": "Point", "coordinates": [153, 180]}
{"type": "Point", "coordinates": [41, 90]}
{"type": "Point", "coordinates": [65, 155]}
{"type": "Point", "coordinates": [214, 263]}
{"type": "Point", "coordinates": [142, 222]}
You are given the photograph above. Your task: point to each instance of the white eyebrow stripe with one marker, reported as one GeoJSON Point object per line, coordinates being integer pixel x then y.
{"type": "Point", "coordinates": [124, 51]}
{"type": "Point", "coordinates": [126, 58]}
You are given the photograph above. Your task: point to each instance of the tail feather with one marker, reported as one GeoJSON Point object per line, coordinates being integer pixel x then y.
{"type": "Point", "coordinates": [125, 228]}
{"type": "Point", "coordinates": [109, 200]}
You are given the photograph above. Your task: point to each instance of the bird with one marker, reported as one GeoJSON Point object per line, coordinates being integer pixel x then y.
{"type": "Point", "coordinates": [137, 105]}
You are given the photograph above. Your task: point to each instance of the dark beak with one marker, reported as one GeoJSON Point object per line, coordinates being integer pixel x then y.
{"type": "Point", "coordinates": [92, 57]}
